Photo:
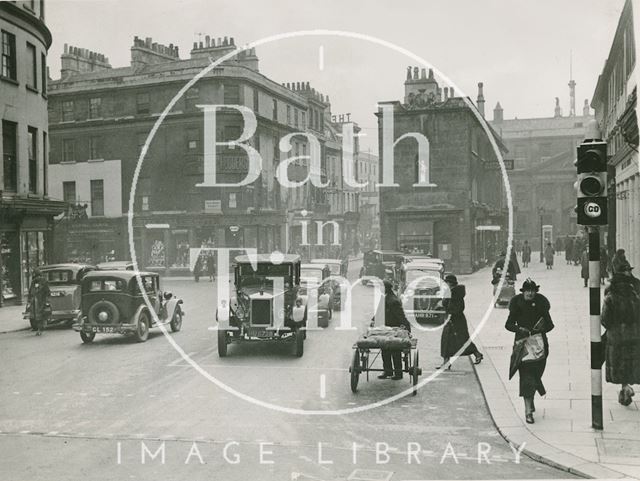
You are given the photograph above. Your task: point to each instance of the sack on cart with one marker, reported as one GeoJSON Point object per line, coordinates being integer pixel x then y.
{"type": "Point", "coordinates": [389, 338]}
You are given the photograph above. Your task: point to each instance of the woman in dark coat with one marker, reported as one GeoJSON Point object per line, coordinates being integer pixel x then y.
{"type": "Point", "coordinates": [604, 264]}
{"type": "Point", "coordinates": [197, 269]}
{"type": "Point", "coordinates": [211, 267]}
{"type": "Point", "coordinates": [549, 252]}
{"type": "Point", "coordinates": [456, 332]}
{"type": "Point", "coordinates": [529, 314]}
{"type": "Point", "coordinates": [526, 254]}
{"type": "Point", "coordinates": [568, 250]}
{"type": "Point", "coordinates": [38, 295]}
{"type": "Point", "coordinates": [619, 259]}
{"type": "Point", "coordinates": [584, 266]}
{"type": "Point", "coordinates": [621, 318]}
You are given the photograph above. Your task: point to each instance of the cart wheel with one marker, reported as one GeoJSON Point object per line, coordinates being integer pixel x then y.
{"type": "Point", "coordinates": [355, 370]}
{"type": "Point", "coordinates": [416, 371]}
{"type": "Point", "coordinates": [222, 343]}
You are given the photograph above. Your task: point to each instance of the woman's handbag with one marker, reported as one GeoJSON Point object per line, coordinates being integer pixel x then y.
{"type": "Point", "coordinates": [534, 348]}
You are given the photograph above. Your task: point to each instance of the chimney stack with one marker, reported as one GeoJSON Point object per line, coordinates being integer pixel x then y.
{"type": "Point", "coordinates": [558, 111]}
{"type": "Point", "coordinates": [480, 100]}
{"type": "Point", "coordinates": [147, 52]}
{"type": "Point", "coordinates": [498, 114]}
{"type": "Point", "coordinates": [82, 60]}
{"type": "Point", "coordinates": [586, 110]}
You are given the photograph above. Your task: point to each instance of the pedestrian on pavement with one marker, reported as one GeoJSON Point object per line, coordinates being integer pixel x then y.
{"type": "Point", "coordinates": [197, 269]}
{"type": "Point", "coordinates": [455, 333]}
{"type": "Point", "coordinates": [529, 315]}
{"type": "Point", "coordinates": [526, 254]}
{"type": "Point", "coordinates": [549, 252]}
{"type": "Point", "coordinates": [393, 317]}
{"type": "Point", "coordinates": [621, 318]}
{"type": "Point", "coordinates": [568, 250]}
{"type": "Point", "coordinates": [619, 259]}
{"type": "Point", "coordinates": [604, 264]}
{"type": "Point", "coordinates": [584, 263]}
{"type": "Point", "coordinates": [38, 297]}
{"type": "Point", "coordinates": [211, 267]}
{"type": "Point", "coordinates": [558, 246]}
{"type": "Point", "coordinates": [498, 267]}
{"type": "Point", "coordinates": [578, 247]}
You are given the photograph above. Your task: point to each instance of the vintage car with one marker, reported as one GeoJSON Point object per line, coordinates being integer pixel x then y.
{"type": "Point", "coordinates": [261, 309]}
{"type": "Point", "coordinates": [64, 284]}
{"type": "Point", "coordinates": [423, 292]}
{"type": "Point", "coordinates": [338, 268]}
{"type": "Point", "coordinates": [112, 303]}
{"type": "Point", "coordinates": [420, 261]}
{"type": "Point", "coordinates": [116, 266]}
{"type": "Point", "coordinates": [372, 259]}
{"type": "Point", "coordinates": [311, 279]}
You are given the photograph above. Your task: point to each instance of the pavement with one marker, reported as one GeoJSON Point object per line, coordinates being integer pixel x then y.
{"type": "Point", "coordinates": [11, 319]}
{"type": "Point", "coordinates": [562, 435]}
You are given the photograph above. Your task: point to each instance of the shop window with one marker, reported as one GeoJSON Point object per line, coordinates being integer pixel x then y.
{"type": "Point", "coordinates": [67, 110]}
{"type": "Point", "coordinates": [8, 56]}
{"type": "Point", "coordinates": [10, 265]}
{"type": "Point", "coordinates": [97, 197]}
{"type": "Point", "coordinates": [95, 109]}
{"type": "Point", "coordinates": [142, 103]}
{"type": "Point", "coordinates": [9, 155]}
{"type": "Point", "coordinates": [32, 141]}
{"type": "Point", "coordinates": [180, 251]}
{"type": "Point", "coordinates": [157, 254]}
{"type": "Point", "coordinates": [68, 150]}
{"type": "Point", "coordinates": [95, 148]}
{"type": "Point", "coordinates": [32, 67]}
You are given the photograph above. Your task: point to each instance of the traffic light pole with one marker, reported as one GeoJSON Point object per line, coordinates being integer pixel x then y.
{"type": "Point", "coordinates": [596, 337]}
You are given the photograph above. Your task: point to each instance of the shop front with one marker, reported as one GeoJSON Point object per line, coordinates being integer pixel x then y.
{"type": "Point", "coordinates": [26, 229]}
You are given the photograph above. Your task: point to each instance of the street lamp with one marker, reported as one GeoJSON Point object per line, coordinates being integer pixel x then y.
{"type": "Point", "coordinates": [540, 213]}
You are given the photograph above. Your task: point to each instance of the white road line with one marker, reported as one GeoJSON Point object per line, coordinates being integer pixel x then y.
{"type": "Point", "coordinates": [323, 386]}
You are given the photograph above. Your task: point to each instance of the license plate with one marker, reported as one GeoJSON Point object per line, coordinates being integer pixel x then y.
{"type": "Point", "coordinates": [426, 314]}
{"type": "Point", "coordinates": [105, 329]}
{"type": "Point", "coordinates": [263, 334]}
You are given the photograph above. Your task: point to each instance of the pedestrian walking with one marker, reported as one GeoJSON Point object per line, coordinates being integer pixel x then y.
{"type": "Point", "coordinates": [558, 246]}
{"type": "Point", "coordinates": [621, 318]}
{"type": "Point", "coordinates": [197, 268]}
{"type": "Point", "coordinates": [578, 247]}
{"type": "Point", "coordinates": [455, 333]}
{"type": "Point", "coordinates": [549, 252]}
{"type": "Point", "coordinates": [619, 259]}
{"type": "Point", "coordinates": [38, 301]}
{"type": "Point", "coordinates": [584, 263]}
{"type": "Point", "coordinates": [526, 254]}
{"type": "Point", "coordinates": [211, 267]}
{"type": "Point", "coordinates": [530, 320]}
{"type": "Point", "coordinates": [393, 317]}
{"type": "Point", "coordinates": [604, 264]}
{"type": "Point", "coordinates": [568, 250]}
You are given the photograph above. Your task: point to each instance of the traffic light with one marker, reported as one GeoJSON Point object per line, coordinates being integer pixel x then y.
{"type": "Point", "coordinates": [591, 185]}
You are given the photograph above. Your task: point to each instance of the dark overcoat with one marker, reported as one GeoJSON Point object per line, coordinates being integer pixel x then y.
{"type": "Point", "coordinates": [621, 318]}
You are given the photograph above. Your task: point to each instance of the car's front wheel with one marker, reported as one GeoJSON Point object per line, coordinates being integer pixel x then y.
{"type": "Point", "coordinates": [142, 333]}
{"type": "Point", "coordinates": [87, 337]}
{"type": "Point", "coordinates": [176, 322]}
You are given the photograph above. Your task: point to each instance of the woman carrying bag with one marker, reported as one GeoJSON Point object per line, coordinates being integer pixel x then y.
{"type": "Point", "coordinates": [530, 320]}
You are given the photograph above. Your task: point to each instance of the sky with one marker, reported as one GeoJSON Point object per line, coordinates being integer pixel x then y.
{"type": "Point", "coordinates": [519, 49]}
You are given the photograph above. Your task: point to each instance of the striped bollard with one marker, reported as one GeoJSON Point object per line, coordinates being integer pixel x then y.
{"type": "Point", "coordinates": [596, 337]}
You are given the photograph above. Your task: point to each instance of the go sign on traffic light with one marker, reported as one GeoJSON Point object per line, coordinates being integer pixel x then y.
{"type": "Point", "coordinates": [592, 183]}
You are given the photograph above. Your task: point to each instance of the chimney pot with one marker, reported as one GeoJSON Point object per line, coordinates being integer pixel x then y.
{"type": "Point", "coordinates": [430, 74]}
{"type": "Point", "coordinates": [201, 45]}
{"type": "Point", "coordinates": [415, 73]}
{"type": "Point", "coordinates": [225, 42]}
{"type": "Point", "coordinates": [423, 73]}
{"type": "Point", "coordinates": [195, 45]}
{"type": "Point", "coordinates": [451, 92]}
{"type": "Point", "coordinates": [207, 40]}
{"type": "Point", "coordinates": [446, 93]}
{"type": "Point", "coordinates": [219, 41]}
{"type": "Point", "coordinates": [232, 41]}
{"type": "Point", "coordinates": [409, 72]}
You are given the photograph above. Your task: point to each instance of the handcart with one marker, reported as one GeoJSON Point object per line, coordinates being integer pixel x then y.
{"type": "Point", "coordinates": [506, 293]}
{"type": "Point", "coordinates": [366, 351]}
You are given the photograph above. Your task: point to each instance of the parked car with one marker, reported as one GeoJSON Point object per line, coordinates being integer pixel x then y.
{"type": "Point", "coordinates": [261, 309]}
{"type": "Point", "coordinates": [112, 303]}
{"type": "Point", "coordinates": [64, 285]}
{"type": "Point", "coordinates": [423, 260]}
{"type": "Point", "coordinates": [424, 291]}
{"type": "Point", "coordinates": [338, 268]}
{"type": "Point", "coordinates": [116, 266]}
{"type": "Point", "coordinates": [390, 260]}
{"type": "Point", "coordinates": [311, 279]}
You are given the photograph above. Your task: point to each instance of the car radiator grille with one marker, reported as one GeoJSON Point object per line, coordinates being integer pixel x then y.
{"type": "Point", "coordinates": [261, 312]}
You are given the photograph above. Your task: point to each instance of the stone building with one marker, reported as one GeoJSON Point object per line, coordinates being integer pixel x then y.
{"type": "Point", "coordinates": [543, 151]}
{"type": "Point", "coordinates": [614, 101]}
{"type": "Point", "coordinates": [26, 211]}
{"type": "Point", "coordinates": [369, 200]}
{"type": "Point", "coordinates": [461, 218]}
{"type": "Point", "coordinates": [102, 115]}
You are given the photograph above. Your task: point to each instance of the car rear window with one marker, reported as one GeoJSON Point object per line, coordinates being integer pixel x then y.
{"type": "Point", "coordinates": [107, 285]}
{"type": "Point", "coordinates": [60, 277]}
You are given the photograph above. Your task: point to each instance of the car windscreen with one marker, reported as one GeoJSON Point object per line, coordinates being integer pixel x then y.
{"type": "Point", "coordinates": [423, 277]}
{"type": "Point", "coordinates": [314, 274]}
{"type": "Point", "coordinates": [390, 257]}
{"type": "Point", "coordinates": [108, 285]}
{"type": "Point", "coordinates": [249, 276]}
{"type": "Point", "coordinates": [60, 277]}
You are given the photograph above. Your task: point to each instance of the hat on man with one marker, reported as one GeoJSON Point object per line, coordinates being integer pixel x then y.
{"type": "Point", "coordinates": [529, 285]}
{"type": "Point", "coordinates": [451, 279]}
{"type": "Point", "coordinates": [625, 267]}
